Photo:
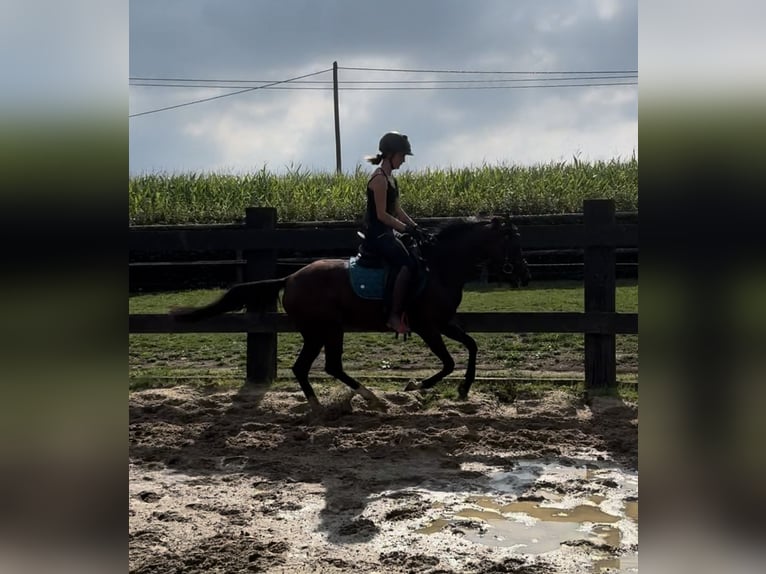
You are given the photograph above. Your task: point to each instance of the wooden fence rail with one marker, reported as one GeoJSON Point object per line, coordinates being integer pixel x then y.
{"type": "Point", "coordinates": [163, 270]}
{"type": "Point", "coordinates": [260, 241]}
{"type": "Point", "coordinates": [308, 240]}
{"type": "Point", "coordinates": [533, 322]}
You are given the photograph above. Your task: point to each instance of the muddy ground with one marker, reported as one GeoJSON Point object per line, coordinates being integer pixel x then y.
{"type": "Point", "coordinates": [237, 481]}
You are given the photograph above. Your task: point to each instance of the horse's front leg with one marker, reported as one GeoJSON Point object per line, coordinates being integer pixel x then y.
{"type": "Point", "coordinates": [312, 345]}
{"type": "Point", "coordinates": [458, 334]}
{"type": "Point", "coordinates": [434, 340]}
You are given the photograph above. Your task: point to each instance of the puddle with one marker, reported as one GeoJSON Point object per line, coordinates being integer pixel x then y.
{"type": "Point", "coordinates": [538, 539]}
{"type": "Point", "coordinates": [486, 502]}
{"type": "Point", "coordinates": [544, 535]}
{"type": "Point", "coordinates": [609, 534]}
{"type": "Point", "coordinates": [562, 502]}
{"type": "Point", "coordinates": [435, 526]}
{"type": "Point", "coordinates": [631, 510]}
{"type": "Point", "coordinates": [480, 514]}
{"type": "Point", "coordinates": [551, 514]}
{"type": "Point", "coordinates": [606, 564]}
{"type": "Point", "coordinates": [626, 564]}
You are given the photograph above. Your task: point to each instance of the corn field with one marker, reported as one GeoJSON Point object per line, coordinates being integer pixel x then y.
{"type": "Point", "coordinates": [301, 195]}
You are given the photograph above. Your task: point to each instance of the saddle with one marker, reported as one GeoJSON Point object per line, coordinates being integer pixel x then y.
{"type": "Point", "coordinates": [370, 275]}
{"type": "Point", "coordinates": [367, 258]}
{"type": "Point", "coordinates": [373, 278]}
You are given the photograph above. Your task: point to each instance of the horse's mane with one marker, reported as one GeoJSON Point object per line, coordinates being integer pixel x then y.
{"type": "Point", "coordinates": [453, 230]}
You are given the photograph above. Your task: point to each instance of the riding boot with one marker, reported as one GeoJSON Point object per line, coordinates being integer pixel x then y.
{"type": "Point", "coordinates": [395, 319]}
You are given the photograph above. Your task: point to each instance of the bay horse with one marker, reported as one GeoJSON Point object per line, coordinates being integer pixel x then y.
{"type": "Point", "coordinates": [321, 302]}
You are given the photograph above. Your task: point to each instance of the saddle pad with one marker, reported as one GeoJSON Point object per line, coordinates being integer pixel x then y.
{"type": "Point", "coordinates": [367, 282]}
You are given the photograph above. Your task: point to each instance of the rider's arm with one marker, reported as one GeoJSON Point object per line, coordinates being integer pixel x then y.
{"type": "Point", "coordinates": [379, 187]}
{"type": "Point", "coordinates": [402, 215]}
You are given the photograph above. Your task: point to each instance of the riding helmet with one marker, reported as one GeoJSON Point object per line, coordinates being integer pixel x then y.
{"type": "Point", "coordinates": [394, 142]}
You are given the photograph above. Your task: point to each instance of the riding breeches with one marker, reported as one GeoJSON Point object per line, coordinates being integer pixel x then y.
{"type": "Point", "coordinates": [393, 251]}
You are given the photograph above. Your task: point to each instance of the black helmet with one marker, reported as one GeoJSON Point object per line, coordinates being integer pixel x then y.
{"type": "Point", "coordinates": [394, 142]}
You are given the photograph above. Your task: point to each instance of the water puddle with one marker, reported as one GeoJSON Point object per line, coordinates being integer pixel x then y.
{"type": "Point", "coordinates": [539, 505]}
{"type": "Point", "coordinates": [435, 526]}
{"type": "Point", "coordinates": [626, 564]}
{"type": "Point", "coordinates": [631, 510]}
{"type": "Point", "coordinates": [582, 513]}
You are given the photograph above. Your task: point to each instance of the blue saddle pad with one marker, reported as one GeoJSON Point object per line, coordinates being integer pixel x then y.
{"type": "Point", "coordinates": [367, 282]}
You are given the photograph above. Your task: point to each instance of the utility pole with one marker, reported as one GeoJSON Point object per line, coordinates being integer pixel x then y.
{"type": "Point", "coordinates": [337, 118]}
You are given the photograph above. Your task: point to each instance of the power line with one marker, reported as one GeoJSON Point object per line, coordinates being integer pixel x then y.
{"type": "Point", "coordinates": [483, 72]}
{"type": "Point", "coordinates": [149, 79]}
{"type": "Point", "coordinates": [396, 88]}
{"type": "Point", "coordinates": [475, 87]}
{"type": "Point", "coordinates": [342, 83]}
{"type": "Point", "coordinates": [227, 95]}
{"type": "Point", "coordinates": [275, 85]}
{"type": "Point", "coordinates": [490, 87]}
{"type": "Point", "coordinates": [153, 79]}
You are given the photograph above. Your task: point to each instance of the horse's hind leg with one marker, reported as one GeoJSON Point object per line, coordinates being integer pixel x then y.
{"type": "Point", "coordinates": [333, 350]}
{"type": "Point", "coordinates": [312, 344]}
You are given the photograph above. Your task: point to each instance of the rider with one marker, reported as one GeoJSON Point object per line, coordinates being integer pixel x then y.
{"type": "Point", "coordinates": [385, 214]}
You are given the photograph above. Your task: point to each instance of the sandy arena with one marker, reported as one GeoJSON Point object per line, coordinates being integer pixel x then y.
{"type": "Point", "coordinates": [251, 482]}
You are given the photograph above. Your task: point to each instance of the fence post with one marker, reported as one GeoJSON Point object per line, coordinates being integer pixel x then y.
{"type": "Point", "coordinates": [261, 264]}
{"type": "Point", "coordinates": [600, 286]}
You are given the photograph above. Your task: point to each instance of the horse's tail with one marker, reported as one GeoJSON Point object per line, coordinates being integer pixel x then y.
{"type": "Point", "coordinates": [257, 295]}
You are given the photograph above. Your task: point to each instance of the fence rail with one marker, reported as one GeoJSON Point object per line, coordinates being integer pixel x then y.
{"type": "Point", "coordinates": [312, 240]}
{"type": "Point", "coordinates": [565, 322]}
{"type": "Point", "coordinates": [159, 268]}
{"type": "Point", "coordinates": [596, 233]}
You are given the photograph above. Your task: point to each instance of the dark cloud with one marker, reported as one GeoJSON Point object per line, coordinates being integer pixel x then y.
{"type": "Point", "coordinates": [207, 36]}
{"type": "Point", "coordinates": [268, 40]}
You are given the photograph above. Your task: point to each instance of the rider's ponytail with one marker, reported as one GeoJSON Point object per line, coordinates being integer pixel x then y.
{"type": "Point", "coordinates": [374, 159]}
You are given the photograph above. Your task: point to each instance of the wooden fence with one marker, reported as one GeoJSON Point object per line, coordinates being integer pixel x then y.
{"type": "Point", "coordinates": [164, 271]}
{"type": "Point", "coordinates": [259, 240]}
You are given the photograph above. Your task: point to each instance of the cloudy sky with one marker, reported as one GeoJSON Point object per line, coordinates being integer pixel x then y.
{"type": "Point", "coordinates": [452, 119]}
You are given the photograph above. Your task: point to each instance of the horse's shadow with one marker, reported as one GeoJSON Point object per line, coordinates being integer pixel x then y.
{"type": "Point", "coordinates": [357, 457]}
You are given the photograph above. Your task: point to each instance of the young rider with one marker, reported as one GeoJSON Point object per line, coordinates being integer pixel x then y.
{"type": "Point", "coordinates": [385, 214]}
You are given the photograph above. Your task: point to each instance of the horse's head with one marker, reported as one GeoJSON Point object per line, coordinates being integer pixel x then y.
{"type": "Point", "coordinates": [468, 243]}
{"type": "Point", "coordinates": [506, 254]}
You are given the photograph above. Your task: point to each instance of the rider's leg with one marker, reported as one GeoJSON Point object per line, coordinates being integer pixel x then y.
{"type": "Point", "coordinates": [397, 301]}
{"type": "Point", "coordinates": [397, 255]}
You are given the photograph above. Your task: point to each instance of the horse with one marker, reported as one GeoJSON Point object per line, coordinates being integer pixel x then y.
{"type": "Point", "coordinates": [321, 302]}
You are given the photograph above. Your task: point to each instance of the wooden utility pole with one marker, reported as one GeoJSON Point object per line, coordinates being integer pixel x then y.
{"type": "Point", "coordinates": [337, 118]}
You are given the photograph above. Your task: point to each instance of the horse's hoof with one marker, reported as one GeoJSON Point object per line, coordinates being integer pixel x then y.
{"type": "Point", "coordinates": [315, 408]}
{"type": "Point", "coordinates": [378, 405]}
{"type": "Point", "coordinates": [412, 386]}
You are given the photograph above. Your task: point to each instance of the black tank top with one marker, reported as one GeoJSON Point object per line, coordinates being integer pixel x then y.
{"type": "Point", "coordinates": [372, 225]}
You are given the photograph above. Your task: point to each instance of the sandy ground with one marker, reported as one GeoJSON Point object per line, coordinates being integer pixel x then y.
{"type": "Point", "coordinates": [252, 482]}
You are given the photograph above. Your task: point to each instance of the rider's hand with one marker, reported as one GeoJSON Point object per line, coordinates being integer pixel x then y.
{"type": "Point", "coordinates": [414, 231]}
